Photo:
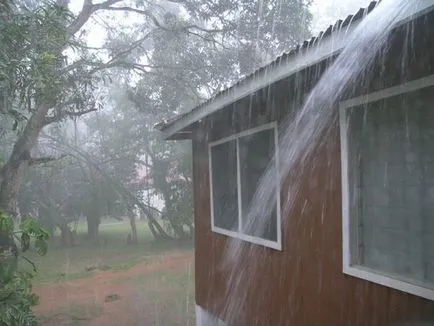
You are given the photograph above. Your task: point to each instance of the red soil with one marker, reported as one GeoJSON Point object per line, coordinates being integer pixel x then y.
{"type": "Point", "coordinates": [131, 309]}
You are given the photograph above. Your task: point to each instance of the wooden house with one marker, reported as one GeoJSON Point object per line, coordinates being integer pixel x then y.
{"type": "Point", "coordinates": [357, 248]}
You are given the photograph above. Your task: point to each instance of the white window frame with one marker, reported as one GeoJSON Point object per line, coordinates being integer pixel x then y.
{"type": "Point", "coordinates": [414, 287]}
{"type": "Point", "coordinates": [277, 245]}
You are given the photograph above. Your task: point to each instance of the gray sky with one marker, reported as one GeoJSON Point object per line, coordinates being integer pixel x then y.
{"type": "Point", "coordinates": [326, 12]}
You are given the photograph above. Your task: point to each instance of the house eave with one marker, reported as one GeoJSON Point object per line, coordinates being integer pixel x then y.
{"type": "Point", "coordinates": [322, 50]}
{"type": "Point", "coordinates": [180, 135]}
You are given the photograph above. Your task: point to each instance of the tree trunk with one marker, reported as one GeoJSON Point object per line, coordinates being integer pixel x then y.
{"type": "Point", "coordinates": [157, 231]}
{"type": "Point", "coordinates": [12, 172]}
{"type": "Point", "coordinates": [132, 217]}
{"type": "Point", "coordinates": [67, 236]}
{"type": "Point", "coordinates": [127, 195]}
{"type": "Point", "coordinates": [92, 228]}
{"type": "Point", "coordinates": [178, 229]}
{"type": "Point", "coordinates": [153, 231]}
{"type": "Point", "coordinates": [10, 186]}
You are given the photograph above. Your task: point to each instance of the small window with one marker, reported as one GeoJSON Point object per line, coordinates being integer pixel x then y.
{"type": "Point", "coordinates": [237, 164]}
{"type": "Point", "coordinates": [388, 190]}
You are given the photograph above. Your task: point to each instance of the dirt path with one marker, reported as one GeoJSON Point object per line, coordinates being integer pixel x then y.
{"type": "Point", "coordinates": [83, 301]}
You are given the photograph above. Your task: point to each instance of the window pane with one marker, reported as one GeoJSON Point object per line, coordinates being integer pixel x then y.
{"type": "Point", "coordinates": [256, 151]}
{"type": "Point", "coordinates": [391, 160]}
{"type": "Point", "coordinates": [224, 185]}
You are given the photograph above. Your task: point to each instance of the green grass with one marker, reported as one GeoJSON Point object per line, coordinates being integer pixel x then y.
{"type": "Point", "coordinates": [73, 315]}
{"type": "Point", "coordinates": [112, 252]}
{"type": "Point", "coordinates": [165, 297]}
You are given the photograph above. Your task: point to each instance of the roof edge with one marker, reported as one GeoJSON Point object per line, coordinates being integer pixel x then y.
{"type": "Point", "coordinates": [315, 53]}
{"type": "Point", "coordinates": [327, 47]}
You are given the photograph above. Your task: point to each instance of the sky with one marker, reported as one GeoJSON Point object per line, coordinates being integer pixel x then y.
{"type": "Point", "coordinates": [325, 12]}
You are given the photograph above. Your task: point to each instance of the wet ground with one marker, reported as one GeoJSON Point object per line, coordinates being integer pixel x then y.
{"type": "Point", "coordinates": [150, 293]}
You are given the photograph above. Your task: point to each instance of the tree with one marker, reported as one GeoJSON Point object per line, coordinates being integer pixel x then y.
{"type": "Point", "coordinates": [21, 57]}
{"type": "Point", "coordinates": [84, 184]}
{"type": "Point", "coordinates": [40, 86]}
{"type": "Point", "coordinates": [198, 69]}
{"type": "Point", "coordinates": [172, 178]}
{"type": "Point", "coordinates": [181, 58]}
{"type": "Point", "coordinates": [259, 30]}
{"type": "Point", "coordinates": [62, 191]}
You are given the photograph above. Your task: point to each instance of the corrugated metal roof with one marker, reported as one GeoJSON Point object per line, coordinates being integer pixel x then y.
{"type": "Point", "coordinates": [338, 25]}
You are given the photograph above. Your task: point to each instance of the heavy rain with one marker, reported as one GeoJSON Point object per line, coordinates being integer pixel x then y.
{"type": "Point", "coordinates": [216, 162]}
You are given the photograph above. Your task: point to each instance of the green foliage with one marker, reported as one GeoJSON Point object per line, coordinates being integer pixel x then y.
{"type": "Point", "coordinates": [16, 296]}
{"type": "Point", "coordinates": [33, 66]}
{"type": "Point", "coordinates": [6, 224]}
{"type": "Point", "coordinates": [172, 173]}
{"type": "Point", "coordinates": [32, 227]}
{"type": "Point", "coordinates": [29, 67]}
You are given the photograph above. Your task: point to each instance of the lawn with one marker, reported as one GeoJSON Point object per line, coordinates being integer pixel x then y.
{"type": "Point", "coordinates": [113, 283]}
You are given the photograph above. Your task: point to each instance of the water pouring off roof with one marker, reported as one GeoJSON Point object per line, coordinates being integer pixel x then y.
{"type": "Point", "coordinates": [327, 44]}
{"type": "Point", "coordinates": [306, 239]}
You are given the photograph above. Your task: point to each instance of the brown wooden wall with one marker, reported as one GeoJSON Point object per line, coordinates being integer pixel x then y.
{"type": "Point", "coordinates": [303, 284]}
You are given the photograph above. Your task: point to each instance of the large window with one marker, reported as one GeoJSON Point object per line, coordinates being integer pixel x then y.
{"type": "Point", "coordinates": [237, 164]}
{"type": "Point", "coordinates": [387, 141]}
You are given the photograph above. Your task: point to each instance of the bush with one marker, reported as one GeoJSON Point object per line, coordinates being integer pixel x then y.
{"type": "Point", "coordinates": [16, 296]}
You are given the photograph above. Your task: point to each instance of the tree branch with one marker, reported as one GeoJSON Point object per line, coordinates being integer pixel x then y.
{"type": "Point", "coordinates": [112, 62]}
{"type": "Point", "coordinates": [127, 65]}
{"type": "Point", "coordinates": [64, 114]}
{"type": "Point", "coordinates": [43, 160]}
{"type": "Point", "coordinates": [139, 11]}
{"type": "Point", "coordinates": [81, 19]}
{"type": "Point", "coordinates": [157, 23]}
{"type": "Point", "coordinates": [31, 263]}
{"type": "Point", "coordinates": [83, 156]}
{"type": "Point", "coordinates": [86, 11]}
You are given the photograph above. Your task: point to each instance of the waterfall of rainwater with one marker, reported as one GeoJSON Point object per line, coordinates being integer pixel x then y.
{"type": "Point", "coordinates": [301, 136]}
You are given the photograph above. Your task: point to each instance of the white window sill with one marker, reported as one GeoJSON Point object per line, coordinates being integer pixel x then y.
{"type": "Point", "coordinates": [422, 290]}
{"type": "Point", "coordinates": [248, 238]}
